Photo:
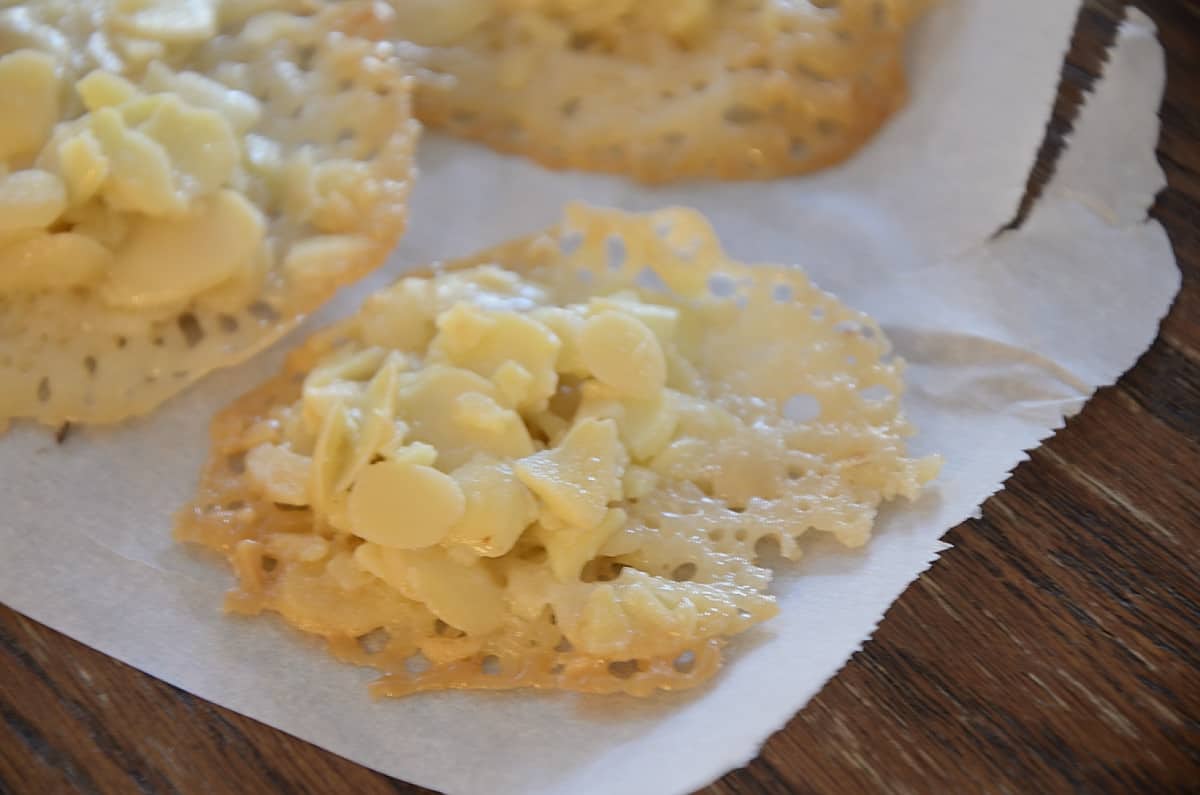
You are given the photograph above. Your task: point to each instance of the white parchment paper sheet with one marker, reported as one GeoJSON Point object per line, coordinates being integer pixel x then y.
{"type": "Point", "coordinates": [1006, 336]}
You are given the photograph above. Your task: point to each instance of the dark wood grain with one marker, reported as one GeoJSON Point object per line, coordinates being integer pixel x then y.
{"type": "Point", "coordinates": [1056, 648]}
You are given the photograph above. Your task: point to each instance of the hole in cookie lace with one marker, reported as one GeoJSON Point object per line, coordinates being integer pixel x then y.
{"type": "Point", "coordinates": [43, 390]}
{"type": "Point", "coordinates": [648, 279]}
{"type": "Point", "coordinates": [570, 242]}
{"type": "Point", "coordinates": [374, 641]}
{"type": "Point", "coordinates": [269, 563]}
{"type": "Point", "coordinates": [90, 364]}
{"type": "Point", "coordinates": [513, 131]}
{"type": "Point", "coordinates": [782, 293]}
{"type": "Point", "coordinates": [674, 140]}
{"type": "Point", "coordinates": [802, 408]}
{"type": "Point", "coordinates": [581, 40]}
{"type": "Point", "coordinates": [742, 114]}
{"type": "Point", "coordinates": [685, 662]}
{"type": "Point", "coordinates": [828, 127]}
{"type": "Point", "coordinates": [491, 665]}
{"type": "Point", "coordinates": [615, 250]}
{"type": "Point", "coordinates": [263, 312]}
{"type": "Point", "coordinates": [191, 329]}
{"type": "Point", "coordinates": [305, 56]}
{"type": "Point", "coordinates": [600, 570]}
{"type": "Point", "coordinates": [227, 323]}
{"type": "Point", "coordinates": [721, 285]}
{"type": "Point", "coordinates": [623, 669]}
{"type": "Point", "coordinates": [236, 462]}
{"type": "Point", "coordinates": [767, 552]}
{"type": "Point", "coordinates": [417, 664]}
{"type": "Point", "coordinates": [875, 394]}
{"type": "Point", "coordinates": [684, 572]}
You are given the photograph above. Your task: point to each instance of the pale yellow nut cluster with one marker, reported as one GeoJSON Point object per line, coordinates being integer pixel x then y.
{"type": "Point", "coordinates": [436, 444]}
{"type": "Point", "coordinates": [137, 175]}
{"type": "Point", "coordinates": [100, 176]}
{"type": "Point", "coordinates": [463, 393]}
{"type": "Point", "coordinates": [120, 36]}
{"type": "Point", "coordinates": [111, 159]}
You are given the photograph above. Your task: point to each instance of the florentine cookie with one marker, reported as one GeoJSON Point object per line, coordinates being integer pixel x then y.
{"type": "Point", "coordinates": [660, 89]}
{"type": "Point", "coordinates": [558, 463]}
{"type": "Point", "coordinates": [180, 182]}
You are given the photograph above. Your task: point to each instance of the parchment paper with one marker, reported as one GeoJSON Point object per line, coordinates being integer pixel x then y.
{"type": "Point", "coordinates": [1006, 335]}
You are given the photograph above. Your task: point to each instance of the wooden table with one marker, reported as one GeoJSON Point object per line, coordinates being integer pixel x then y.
{"type": "Point", "coordinates": [1056, 647]}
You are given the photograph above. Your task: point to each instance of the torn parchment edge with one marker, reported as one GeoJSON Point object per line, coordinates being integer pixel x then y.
{"type": "Point", "coordinates": [1122, 196]}
{"type": "Point", "coordinates": [1121, 200]}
